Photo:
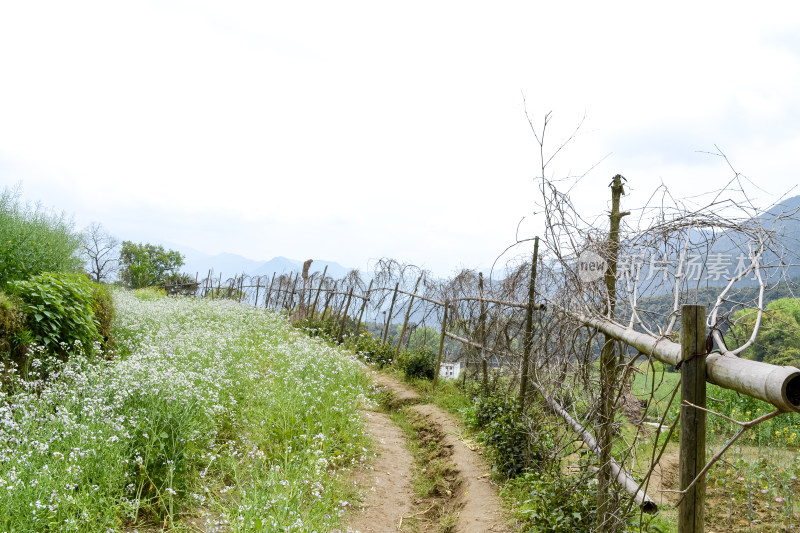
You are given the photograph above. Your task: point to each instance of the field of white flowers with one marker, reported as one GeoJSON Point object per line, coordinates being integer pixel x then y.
{"type": "Point", "coordinates": [211, 413]}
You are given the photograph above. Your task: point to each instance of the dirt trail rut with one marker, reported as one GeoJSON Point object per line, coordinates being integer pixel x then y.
{"type": "Point", "coordinates": [391, 504]}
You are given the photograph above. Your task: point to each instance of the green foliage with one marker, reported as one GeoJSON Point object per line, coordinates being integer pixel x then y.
{"type": "Point", "coordinates": [553, 502]}
{"type": "Point", "coordinates": [149, 293]}
{"type": "Point", "coordinates": [778, 338]}
{"type": "Point", "coordinates": [33, 240]}
{"type": "Point", "coordinates": [371, 349]}
{"type": "Point", "coordinates": [781, 431]}
{"type": "Point", "coordinates": [12, 322]}
{"type": "Point", "coordinates": [147, 265]}
{"type": "Point", "coordinates": [59, 310]}
{"type": "Point", "coordinates": [419, 364]}
{"type": "Point", "coordinates": [317, 327]}
{"type": "Point", "coordinates": [144, 441]}
{"type": "Point", "coordinates": [424, 339]}
{"type": "Point", "coordinates": [513, 446]}
{"type": "Point", "coordinates": [103, 308]}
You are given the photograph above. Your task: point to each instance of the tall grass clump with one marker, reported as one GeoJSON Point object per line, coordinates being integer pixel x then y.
{"type": "Point", "coordinates": [34, 240]}
{"type": "Point", "coordinates": [211, 409]}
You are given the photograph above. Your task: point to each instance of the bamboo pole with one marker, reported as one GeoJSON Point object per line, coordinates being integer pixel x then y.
{"type": "Point", "coordinates": [391, 308]}
{"type": "Point", "coordinates": [778, 385]}
{"type": "Point", "coordinates": [619, 474]}
{"type": "Point", "coordinates": [693, 418]}
{"type": "Point", "coordinates": [527, 344]}
{"type": "Point", "coordinates": [441, 345]}
{"type": "Point", "coordinates": [405, 322]}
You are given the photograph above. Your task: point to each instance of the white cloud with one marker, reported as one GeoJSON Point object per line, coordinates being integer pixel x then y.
{"type": "Point", "coordinates": [399, 126]}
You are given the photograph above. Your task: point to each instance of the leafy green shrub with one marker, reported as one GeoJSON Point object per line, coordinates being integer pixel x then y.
{"type": "Point", "coordinates": [516, 444]}
{"type": "Point", "coordinates": [500, 427]}
{"type": "Point", "coordinates": [372, 349]}
{"type": "Point", "coordinates": [149, 293]}
{"type": "Point", "coordinates": [417, 364]}
{"type": "Point", "coordinates": [59, 310]}
{"type": "Point", "coordinates": [103, 309]}
{"type": "Point", "coordinates": [12, 322]}
{"type": "Point", "coordinates": [553, 502]}
{"type": "Point", "coordinates": [33, 240]}
{"type": "Point", "coordinates": [316, 327]}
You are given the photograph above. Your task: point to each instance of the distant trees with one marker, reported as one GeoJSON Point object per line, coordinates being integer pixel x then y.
{"type": "Point", "coordinates": [778, 335]}
{"type": "Point", "coordinates": [99, 251]}
{"type": "Point", "coordinates": [147, 265]}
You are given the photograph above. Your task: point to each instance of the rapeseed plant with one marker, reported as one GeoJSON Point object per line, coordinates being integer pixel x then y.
{"type": "Point", "coordinates": [209, 407]}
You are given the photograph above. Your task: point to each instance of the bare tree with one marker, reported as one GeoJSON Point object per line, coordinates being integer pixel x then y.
{"type": "Point", "coordinates": [99, 250]}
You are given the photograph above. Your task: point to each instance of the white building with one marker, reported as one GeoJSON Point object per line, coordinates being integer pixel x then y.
{"type": "Point", "coordinates": [450, 370]}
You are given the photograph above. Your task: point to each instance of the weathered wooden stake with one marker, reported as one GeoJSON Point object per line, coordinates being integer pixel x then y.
{"type": "Point", "coordinates": [693, 421]}
{"type": "Point", "coordinates": [527, 344]}
{"type": "Point", "coordinates": [363, 306]}
{"type": "Point", "coordinates": [286, 292]}
{"type": "Point", "coordinates": [482, 335]}
{"type": "Point", "coordinates": [441, 344]}
{"type": "Point", "coordinates": [328, 299]}
{"type": "Point", "coordinates": [269, 292]}
{"type": "Point", "coordinates": [609, 373]}
{"type": "Point", "coordinates": [340, 337]}
{"type": "Point", "coordinates": [316, 298]}
{"type": "Point", "coordinates": [405, 322]}
{"type": "Point", "coordinates": [291, 296]}
{"type": "Point", "coordinates": [391, 308]}
{"type": "Point", "coordinates": [258, 284]}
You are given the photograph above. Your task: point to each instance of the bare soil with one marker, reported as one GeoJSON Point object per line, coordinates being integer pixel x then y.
{"type": "Point", "coordinates": [467, 494]}
{"type": "Point", "coordinates": [390, 494]}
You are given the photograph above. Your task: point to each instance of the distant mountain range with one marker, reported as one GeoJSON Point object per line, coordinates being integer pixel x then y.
{"type": "Point", "coordinates": [229, 265]}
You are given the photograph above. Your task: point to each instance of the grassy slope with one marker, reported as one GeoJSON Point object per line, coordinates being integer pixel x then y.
{"type": "Point", "coordinates": [215, 413]}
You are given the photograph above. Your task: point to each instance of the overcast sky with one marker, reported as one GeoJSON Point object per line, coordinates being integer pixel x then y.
{"type": "Point", "coordinates": [352, 131]}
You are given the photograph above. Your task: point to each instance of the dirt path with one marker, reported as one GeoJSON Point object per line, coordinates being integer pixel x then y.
{"type": "Point", "coordinates": [390, 495]}
{"type": "Point", "coordinates": [390, 503]}
{"type": "Point", "coordinates": [479, 508]}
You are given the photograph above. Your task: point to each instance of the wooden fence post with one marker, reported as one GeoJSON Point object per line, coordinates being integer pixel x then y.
{"type": "Point", "coordinates": [328, 299]}
{"type": "Point", "coordinates": [340, 337]}
{"type": "Point", "coordinates": [691, 509]}
{"type": "Point", "coordinates": [482, 335]}
{"type": "Point", "coordinates": [316, 298]}
{"type": "Point", "coordinates": [258, 285]}
{"type": "Point", "coordinates": [291, 296]}
{"type": "Point", "coordinates": [363, 306]}
{"type": "Point", "coordinates": [286, 293]}
{"type": "Point", "coordinates": [527, 344]}
{"type": "Point", "coordinates": [269, 292]}
{"type": "Point", "coordinates": [391, 308]}
{"type": "Point", "coordinates": [405, 322]}
{"type": "Point", "coordinates": [441, 345]}
{"type": "Point", "coordinates": [609, 373]}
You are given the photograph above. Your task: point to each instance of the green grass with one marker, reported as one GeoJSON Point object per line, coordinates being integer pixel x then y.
{"type": "Point", "coordinates": [211, 412]}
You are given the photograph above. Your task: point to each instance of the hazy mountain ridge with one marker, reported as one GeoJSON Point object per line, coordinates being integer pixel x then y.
{"type": "Point", "coordinates": [199, 263]}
